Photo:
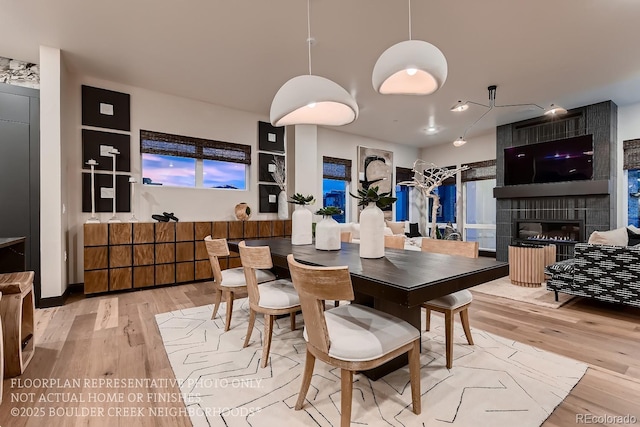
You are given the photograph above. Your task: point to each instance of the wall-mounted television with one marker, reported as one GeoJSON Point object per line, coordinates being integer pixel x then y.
{"type": "Point", "coordinates": [569, 159]}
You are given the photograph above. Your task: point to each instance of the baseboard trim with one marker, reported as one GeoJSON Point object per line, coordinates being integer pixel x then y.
{"type": "Point", "coordinates": [60, 300]}
{"type": "Point", "coordinates": [51, 302]}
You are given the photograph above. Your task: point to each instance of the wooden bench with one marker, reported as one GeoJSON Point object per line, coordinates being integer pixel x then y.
{"type": "Point", "coordinates": [17, 309]}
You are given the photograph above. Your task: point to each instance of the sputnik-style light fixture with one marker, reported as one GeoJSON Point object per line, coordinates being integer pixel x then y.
{"type": "Point", "coordinates": [312, 100]}
{"type": "Point", "coordinates": [411, 67]}
{"type": "Point", "coordinates": [463, 105]}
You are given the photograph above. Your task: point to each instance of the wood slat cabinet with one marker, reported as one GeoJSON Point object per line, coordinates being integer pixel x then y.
{"type": "Point", "coordinates": [139, 255]}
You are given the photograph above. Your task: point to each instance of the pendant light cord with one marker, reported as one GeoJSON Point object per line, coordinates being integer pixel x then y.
{"type": "Point", "coordinates": [409, 19]}
{"type": "Point", "coordinates": [309, 32]}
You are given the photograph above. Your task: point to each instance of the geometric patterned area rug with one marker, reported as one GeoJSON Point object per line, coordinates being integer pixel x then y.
{"type": "Point", "coordinates": [496, 382]}
{"type": "Point", "coordinates": [503, 287]}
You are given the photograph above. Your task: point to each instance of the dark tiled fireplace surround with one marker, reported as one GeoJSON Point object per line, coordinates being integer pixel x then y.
{"type": "Point", "coordinates": [585, 205]}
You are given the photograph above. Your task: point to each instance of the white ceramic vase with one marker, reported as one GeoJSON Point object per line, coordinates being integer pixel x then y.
{"type": "Point", "coordinates": [301, 226]}
{"type": "Point", "coordinates": [328, 234]}
{"type": "Point", "coordinates": [283, 205]}
{"type": "Point", "coordinates": [371, 232]}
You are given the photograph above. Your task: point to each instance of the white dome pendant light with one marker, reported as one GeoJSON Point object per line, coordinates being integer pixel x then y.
{"type": "Point", "coordinates": [312, 100]}
{"type": "Point", "coordinates": [411, 67]}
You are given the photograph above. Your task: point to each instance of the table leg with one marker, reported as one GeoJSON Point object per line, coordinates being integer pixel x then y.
{"type": "Point", "coordinates": [411, 315]}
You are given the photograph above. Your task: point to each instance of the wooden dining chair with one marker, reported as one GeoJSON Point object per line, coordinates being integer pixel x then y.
{"type": "Point", "coordinates": [351, 337]}
{"type": "Point", "coordinates": [394, 241]}
{"type": "Point", "coordinates": [272, 298]}
{"type": "Point", "coordinates": [229, 281]}
{"type": "Point", "coordinates": [345, 236]}
{"type": "Point", "coordinates": [457, 302]}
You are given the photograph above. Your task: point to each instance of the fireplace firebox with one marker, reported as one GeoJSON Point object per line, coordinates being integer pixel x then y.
{"type": "Point", "coordinates": [548, 231]}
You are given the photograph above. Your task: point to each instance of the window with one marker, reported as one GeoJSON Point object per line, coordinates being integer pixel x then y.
{"type": "Point", "coordinates": [182, 161]}
{"type": "Point", "coordinates": [336, 175]}
{"type": "Point", "coordinates": [403, 193]}
{"type": "Point", "coordinates": [479, 204]}
{"type": "Point", "coordinates": [447, 211]}
{"type": "Point", "coordinates": [632, 167]}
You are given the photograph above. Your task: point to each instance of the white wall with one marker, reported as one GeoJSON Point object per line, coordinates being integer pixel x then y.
{"type": "Point", "coordinates": [479, 148]}
{"type": "Point", "coordinates": [52, 175]}
{"type": "Point", "coordinates": [333, 143]}
{"type": "Point", "coordinates": [482, 147]}
{"type": "Point", "coordinates": [160, 112]}
{"type": "Point", "coordinates": [628, 128]}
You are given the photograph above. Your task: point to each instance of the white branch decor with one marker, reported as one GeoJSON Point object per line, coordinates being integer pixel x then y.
{"type": "Point", "coordinates": [427, 177]}
{"type": "Point", "coordinates": [279, 174]}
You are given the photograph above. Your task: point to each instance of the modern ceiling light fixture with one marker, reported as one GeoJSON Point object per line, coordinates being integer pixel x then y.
{"type": "Point", "coordinates": [312, 100]}
{"type": "Point", "coordinates": [463, 105]}
{"type": "Point", "coordinates": [411, 67]}
{"type": "Point", "coordinates": [459, 142]}
{"type": "Point", "coordinates": [554, 110]}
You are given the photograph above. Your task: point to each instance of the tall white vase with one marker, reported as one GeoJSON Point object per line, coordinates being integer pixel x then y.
{"type": "Point", "coordinates": [301, 226]}
{"type": "Point", "coordinates": [328, 234]}
{"type": "Point", "coordinates": [371, 232]}
{"type": "Point", "coordinates": [283, 205]}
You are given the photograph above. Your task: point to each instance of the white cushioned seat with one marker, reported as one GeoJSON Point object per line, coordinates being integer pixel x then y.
{"type": "Point", "coordinates": [278, 294]}
{"type": "Point", "coordinates": [234, 277]}
{"type": "Point", "coordinates": [453, 301]}
{"type": "Point", "coordinates": [359, 333]}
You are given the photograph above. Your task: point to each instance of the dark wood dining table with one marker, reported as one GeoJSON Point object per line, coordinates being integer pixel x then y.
{"type": "Point", "coordinates": [397, 283]}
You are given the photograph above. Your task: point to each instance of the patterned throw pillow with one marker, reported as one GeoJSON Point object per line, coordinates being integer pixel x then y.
{"type": "Point", "coordinates": [617, 237]}
{"type": "Point", "coordinates": [634, 237]}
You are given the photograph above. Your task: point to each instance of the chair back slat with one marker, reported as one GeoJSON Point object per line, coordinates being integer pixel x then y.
{"type": "Point", "coordinates": [394, 242]}
{"type": "Point", "coordinates": [252, 258]}
{"type": "Point", "coordinates": [314, 285]}
{"type": "Point", "coordinates": [450, 247]}
{"type": "Point", "coordinates": [216, 248]}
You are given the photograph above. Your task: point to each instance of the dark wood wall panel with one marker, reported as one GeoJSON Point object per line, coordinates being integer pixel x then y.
{"type": "Point", "coordinates": [143, 232]}
{"type": "Point", "coordinates": [185, 272]}
{"type": "Point", "coordinates": [596, 211]}
{"type": "Point", "coordinates": [96, 235]}
{"type": "Point", "coordinates": [143, 254]}
{"type": "Point", "coordinates": [96, 281]}
{"type": "Point", "coordinates": [165, 274]}
{"type": "Point", "coordinates": [184, 231]}
{"type": "Point", "coordinates": [165, 253]}
{"type": "Point", "coordinates": [96, 258]}
{"type": "Point", "coordinates": [120, 256]}
{"type": "Point", "coordinates": [143, 276]}
{"type": "Point", "coordinates": [184, 251]}
{"type": "Point", "coordinates": [123, 256]}
{"type": "Point", "coordinates": [120, 234]}
{"type": "Point", "coordinates": [165, 232]}
{"type": "Point", "coordinates": [120, 278]}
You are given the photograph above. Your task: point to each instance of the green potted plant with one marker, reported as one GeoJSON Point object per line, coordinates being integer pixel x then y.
{"type": "Point", "coordinates": [372, 221]}
{"type": "Point", "coordinates": [328, 230]}
{"type": "Point", "coordinates": [299, 199]}
{"type": "Point", "coordinates": [301, 228]}
{"type": "Point", "coordinates": [371, 195]}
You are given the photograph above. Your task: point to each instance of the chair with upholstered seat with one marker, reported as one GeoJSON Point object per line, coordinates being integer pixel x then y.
{"type": "Point", "coordinates": [229, 281]}
{"type": "Point", "coordinates": [457, 302]}
{"type": "Point", "coordinates": [394, 241]}
{"type": "Point", "coordinates": [351, 337]}
{"type": "Point", "coordinates": [272, 298]}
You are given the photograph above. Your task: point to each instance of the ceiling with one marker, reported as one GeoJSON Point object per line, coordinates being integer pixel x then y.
{"type": "Point", "coordinates": [237, 53]}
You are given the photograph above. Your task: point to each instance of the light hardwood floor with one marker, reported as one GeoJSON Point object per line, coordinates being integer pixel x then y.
{"type": "Point", "coordinates": [116, 337]}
